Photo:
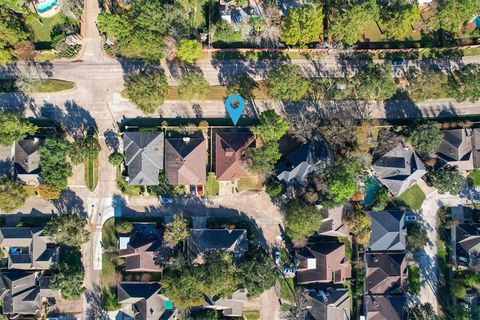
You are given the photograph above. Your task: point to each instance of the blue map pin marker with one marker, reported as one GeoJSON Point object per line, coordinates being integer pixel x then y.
{"type": "Point", "coordinates": [235, 113]}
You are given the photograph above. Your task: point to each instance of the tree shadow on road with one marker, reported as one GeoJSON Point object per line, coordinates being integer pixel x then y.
{"type": "Point", "coordinates": [94, 305]}
{"type": "Point", "coordinates": [111, 139]}
{"type": "Point", "coordinates": [70, 203]}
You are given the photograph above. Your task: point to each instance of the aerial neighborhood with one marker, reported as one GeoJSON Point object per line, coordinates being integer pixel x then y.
{"type": "Point", "coordinates": [239, 159]}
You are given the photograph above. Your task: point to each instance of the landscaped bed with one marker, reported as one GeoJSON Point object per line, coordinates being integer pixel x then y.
{"type": "Point", "coordinates": [37, 85]}
{"type": "Point", "coordinates": [249, 184]}
{"type": "Point", "coordinates": [412, 198]}
{"type": "Point", "coordinates": [474, 178]}
{"type": "Point", "coordinates": [91, 172]}
{"type": "Point", "coordinates": [212, 187]}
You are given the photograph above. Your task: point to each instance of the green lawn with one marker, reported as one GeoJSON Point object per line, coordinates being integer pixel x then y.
{"type": "Point", "coordinates": [42, 31]}
{"type": "Point", "coordinates": [251, 315]}
{"type": "Point", "coordinates": [109, 236]}
{"type": "Point", "coordinates": [412, 198]}
{"type": "Point", "coordinates": [53, 85]}
{"type": "Point", "coordinates": [286, 287]}
{"type": "Point", "coordinates": [249, 184]}
{"type": "Point", "coordinates": [348, 247]}
{"type": "Point", "coordinates": [91, 172]}
{"type": "Point", "coordinates": [474, 178]}
{"type": "Point", "coordinates": [126, 189]}
{"type": "Point", "coordinates": [212, 187]}
{"type": "Point", "coordinates": [109, 299]}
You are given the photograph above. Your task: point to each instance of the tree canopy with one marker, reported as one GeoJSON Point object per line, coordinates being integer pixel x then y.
{"type": "Point", "coordinates": [302, 219]}
{"type": "Point", "coordinates": [147, 90]}
{"type": "Point", "coordinates": [13, 31]}
{"type": "Point", "coordinates": [359, 224]}
{"type": "Point", "coordinates": [189, 50]}
{"type": "Point", "coordinates": [69, 276]}
{"type": "Point", "coordinates": [463, 83]}
{"type": "Point", "coordinates": [348, 25]}
{"type": "Point", "coordinates": [68, 229]}
{"type": "Point", "coordinates": [84, 148]}
{"type": "Point", "coordinates": [425, 137]}
{"type": "Point", "coordinates": [243, 85]}
{"type": "Point", "coordinates": [263, 160]}
{"type": "Point", "coordinates": [53, 161]}
{"type": "Point", "coordinates": [115, 159]}
{"type": "Point", "coordinates": [414, 282]}
{"type": "Point", "coordinates": [452, 14]}
{"type": "Point", "coordinates": [417, 237]}
{"type": "Point", "coordinates": [272, 126]}
{"type": "Point", "coordinates": [193, 86]}
{"type": "Point", "coordinates": [257, 272]}
{"type": "Point", "coordinates": [12, 195]}
{"type": "Point", "coordinates": [303, 25]}
{"type": "Point", "coordinates": [14, 128]}
{"type": "Point", "coordinates": [399, 18]}
{"type": "Point", "coordinates": [447, 181]}
{"type": "Point", "coordinates": [342, 181]}
{"type": "Point", "coordinates": [287, 82]}
{"type": "Point", "coordinates": [376, 82]}
{"type": "Point", "coordinates": [177, 231]}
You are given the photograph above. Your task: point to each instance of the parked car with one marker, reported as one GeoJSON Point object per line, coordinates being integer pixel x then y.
{"type": "Point", "coordinates": [288, 272]}
{"type": "Point", "coordinates": [411, 218]}
{"type": "Point", "coordinates": [165, 200]}
{"type": "Point", "coordinates": [276, 256]}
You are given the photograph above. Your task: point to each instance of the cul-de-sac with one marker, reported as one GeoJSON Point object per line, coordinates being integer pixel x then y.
{"type": "Point", "coordinates": [239, 159]}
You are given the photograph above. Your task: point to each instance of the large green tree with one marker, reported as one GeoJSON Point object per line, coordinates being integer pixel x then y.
{"type": "Point", "coordinates": [301, 219]}
{"type": "Point", "coordinates": [349, 24]}
{"type": "Point", "coordinates": [12, 195]}
{"type": "Point", "coordinates": [425, 83]}
{"type": "Point", "coordinates": [463, 83]}
{"type": "Point", "coordinates": [13, 31]}
{"type": "Point", "coordinates": [287, 82]}
{"type": "Point", "coordinates": [263, 160]}
{"type": "Point", "coordinates": [343, 181]}
{"type": "Point", "coordinates": [177, 231]}
{"type": "Point", "coordinates": [147, 90]}
{"type": "Point", "coordinates": [257, 272]}
{"type": "Point", "coordinates": [53, 161]}
{"type": "Point", "coordinates": [447, 181]}
{"type": "Point", "coordinates": [69, 276]}
{"type": "Point", "coordinates": [189, 50]}
{"type": "Point", "coordinates": [193, 86]}
{"type": "Point", "coordinates": [399, 18]}
{"type": "Point", "coordinates": [417, 237]}
{"type": "Point", "coordinates": [303, 25]}
{"type": "Point", "coordinates": [272, 126]}
{"type": "Point", "coordinates": [451, 15]}
{"type": "Point", "coordinates": [425, 137]}
{"type": "Point", "coordinates": [82, 149]}
{"type": "Point", "coordinates": [414, 282]}
{"type": "Point", "coordinates": [14, 128]}
{"type": "Point", "coordinates": [67, 229]}
{"type": "Point", "coordinates": [359, 224]}
{"type": "Point", "coordinates": [187, 286]}
{"type": "Point", "coordinates": [375, 82]}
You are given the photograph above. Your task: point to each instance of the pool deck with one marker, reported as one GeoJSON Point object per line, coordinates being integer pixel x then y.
{"type": "Point", "coordinates": [50, 12]}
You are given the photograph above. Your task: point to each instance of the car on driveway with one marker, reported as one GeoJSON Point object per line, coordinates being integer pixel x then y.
{"type": "Point", "coordinates": [411, 218]}
{"type": "Point", "coordinates": [276, 256]}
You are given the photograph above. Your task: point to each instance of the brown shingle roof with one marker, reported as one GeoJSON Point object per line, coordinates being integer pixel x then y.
{"type": "Point", "coordinates": [229, 150]}
{"type": "Point", "coordinates": [386, 272]}
{"type": "Point", "coordinates": [185, 161]}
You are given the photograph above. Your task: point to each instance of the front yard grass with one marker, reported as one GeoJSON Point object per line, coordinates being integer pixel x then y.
{"type": "Point", "coordinates": [109, 275]}
{"type": "Point", "coordinates": [474, 178]}
{"type": "Point", "coordinates": [212, 187]}
{"type": "Point", "coordinates": [253, 183]}
{"type": "Point", "coordinates": [348, 247]}
{"type": "Point", "coordinates": [42, 31]}
{"type": "Point", "coordinates": [53, 85]}
{"type": "Point", "coordinates": [91, 172]}
{"type": "Point", "coordinates": [286, 287]}
{"type": "Point", "coordinates": [30, 190]}
{"type": "Point", "coordinates": [412, 198]}
{"type": "Point", "coordinates": [251, 315]}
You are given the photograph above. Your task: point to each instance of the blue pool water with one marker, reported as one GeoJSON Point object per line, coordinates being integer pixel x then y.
{"type": "Point", "coordinates": [477, 22]}
{"type": "Point", "coordinates": [371, 186]}
{"type": "Point", "coordinates": [47, 5]}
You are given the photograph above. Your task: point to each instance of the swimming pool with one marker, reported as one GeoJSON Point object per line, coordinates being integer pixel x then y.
{"type": "Point", "coordinates": [46, 5]}
{"type": "Point", "coordinates": [477, 22]}
{"type": "Point", "coordinates": [371, 186]}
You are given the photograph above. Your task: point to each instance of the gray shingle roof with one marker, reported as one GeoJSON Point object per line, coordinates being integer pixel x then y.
{"type": "Point", "coordinates": [20, 292]}
{"type": "Point", "coordinates": [456, 145]}
{"type": "Point", "coordinates": [27, 155]}
{"type": "Point", "coordinates": [305, 160]}
{"type": "Point", "coordinates": [144, 153]}
{"type": "Point", "coordinates": [144, 298]}
{"type": "Point", "coordinates": [337, 306]}
{"type": "Point", "coordinates": [399, 169]}
{"type": "Point", "coordinates": [202, 241]}
{"type": "Point", "coordinates": [388, 230]}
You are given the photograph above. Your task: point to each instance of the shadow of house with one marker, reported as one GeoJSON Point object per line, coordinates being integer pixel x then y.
{"type": "Point", "coordinates": [27, 160]}
{"type": "Point", "coordinates": [329, 304]}
{"type": "Point", "coordinates": [144, 152]}
{"type": "Point", "coordinates": [322, 262]}
{"type": "Point", "coordinates": [141, 250]}
{"type": "Point", "coordinates": [204, 241]}
{"type": "Point", "coordinates": [23, 293]}
{"type": "Point", "coordinates": [399, 169]}
{"type": "Point", "coordinates": [298, 165]}
{"type": "Point", "coordinates": [185, 160]}
{"type": "Point", "coordinates": [28, 249]}
{"type": "Point", "coordinates": [386, 272]}
{"type": "Point", "coordinates": [231, 306]}
{"type": "Point", "coordinates": [388, 230]}
{"type": "Point", "coordinates": [384, 307]}
{"type": "Point", "coordinates": [143, 300]}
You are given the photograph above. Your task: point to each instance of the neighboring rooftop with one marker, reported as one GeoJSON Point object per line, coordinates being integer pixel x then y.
{"type": "Point", "coordinates": [332, 223]}
{"type": "Point", "coordinates": [468, 244]}
{"type": "Point", "coordinates": [231, 306]}
{"type": "Point", "coordinates": [27, 160]}
{"type": "Point", "coordinates": [186, 160]}
{"type": "Point", "coordinates": [143, 156]}
{"type": "Point", "coordinates": [305, 160]}
{"type": "Point", "coordinates": [328, 304]}
{"type": "Point", "coordinates": [399, 169]}
{"type": "Point", "coordinates": [388, 230]}
{"type": "Point", "coordinates": [230, 147]}
{"type": "Point", "coordinates": [21, 293]}
{"type": "Point", "coordinates": [386, 272]}
{"type": "Point", "coordinates": [143, 249]}
{"type": "Point", "coordinates": [384, 307]}
{"type": "Point", "coordinates": [202, 241]}
{"type": "Point", "coordinates": [322, 262]}
{"type": "Point", "coordinates": [143, 301]}
{"type": "Point", "coordinates": [456, 149]}
{"type": "Point", "coordinates": [28, 248]}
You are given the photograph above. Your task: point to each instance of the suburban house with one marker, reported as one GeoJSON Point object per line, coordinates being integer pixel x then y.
{"type": "Point", "coordinates": [23, 293]}
{"type": "Point", "coordinates": [399, 169]}
{"type": "Point", "coordinates": [384, 307]}
{"type": "Point", "coordinates": [332, 223]}
{"type": "Point", "coordinates": [230, 148]}
{"type": "Point", "coordinates": [468, 244]}
{"type": "Point", "coordinates": [185, 160]}
{"type": "Point", "coordinates": [388, 230]}
{"type": "Point", "coordinates": [144, 250]}
{"type": "Point", "coordinates": [456, 149]}
{"type": "Point", "coordinates": [143, 300]}
{"type": "Point", "coordinates": [332, 303]}
{"type": "Point", "coordinates": [298, 165]}
{"type": "Point", "coordinates": [386, 272]}
{"type": "Point", "coordinates": [27, 160]}
{"type": "Point", "coordinates": [231, 306]}
{"type": "Point", "coordinates": [28, 249]}
{"type": "Point", "coordinates": [203, 241]}
{"type": "Point", "coordinates": [143, 156]}
{"type": "Point", "coordinates": [322, 262]}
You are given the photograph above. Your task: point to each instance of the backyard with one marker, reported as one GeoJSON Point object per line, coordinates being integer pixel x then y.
{"type": "Point", "coordinates": [48, 31]}
{"type": "Point", "coordinates": [412, 198]}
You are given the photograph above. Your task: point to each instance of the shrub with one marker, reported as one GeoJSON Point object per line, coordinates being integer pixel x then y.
{"type": "Point", "coordinates": [275, 188]}
{"type": "Point", "coordinates": [123, 227]}
{"type": "Point", "coordinates": [189, 50]}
